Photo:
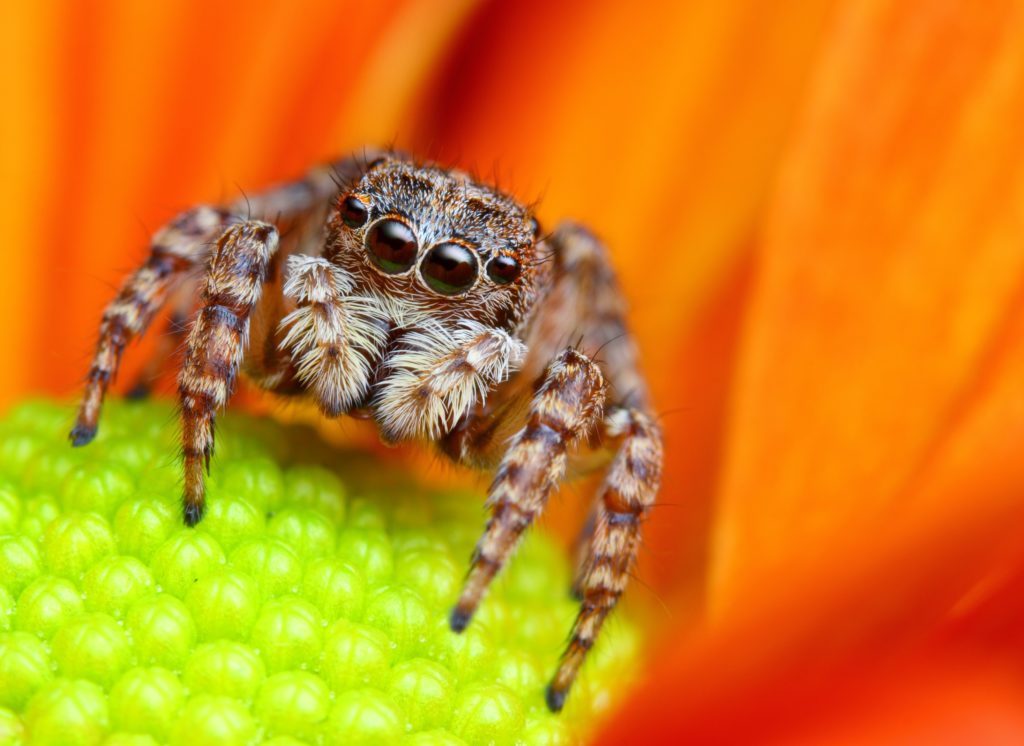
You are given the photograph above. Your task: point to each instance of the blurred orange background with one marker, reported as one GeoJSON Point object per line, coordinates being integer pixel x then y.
{"type": "Point", "coordinates": [817, 212]}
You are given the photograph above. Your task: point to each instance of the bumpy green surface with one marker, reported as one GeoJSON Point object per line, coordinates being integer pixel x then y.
{"type": "Point", "coordinates": [309, 606]}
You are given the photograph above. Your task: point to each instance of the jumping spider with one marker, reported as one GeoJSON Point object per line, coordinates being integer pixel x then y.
{"type": "Point", "coordinates": [420, 298]}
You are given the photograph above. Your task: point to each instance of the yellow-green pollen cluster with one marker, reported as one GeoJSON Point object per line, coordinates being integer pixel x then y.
{"type": "Point", "coordinates": [309, 606]}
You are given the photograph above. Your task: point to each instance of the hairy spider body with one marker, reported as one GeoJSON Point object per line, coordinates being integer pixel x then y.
{"type": "Point", "coordinates": [431, 303]}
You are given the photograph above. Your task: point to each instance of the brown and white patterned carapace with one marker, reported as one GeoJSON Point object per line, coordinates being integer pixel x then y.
{"type": "Point", "coordinates": [431, 303]}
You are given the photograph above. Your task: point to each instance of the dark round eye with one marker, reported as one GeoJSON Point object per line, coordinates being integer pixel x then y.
{"type": "Point", "coordinates": [392, 246]}
{"type": "Point", "coordinates": [449, 268]}
{"type": "Point", "coordinates": [353, 212]}
{"type": "Point", "coordinates": [535, 227]}
{"type": "Point", "coordinates": [503, 269]}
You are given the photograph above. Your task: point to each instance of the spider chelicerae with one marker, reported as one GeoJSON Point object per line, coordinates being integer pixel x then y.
{"type": "Point", "coordinates": [420, 298]}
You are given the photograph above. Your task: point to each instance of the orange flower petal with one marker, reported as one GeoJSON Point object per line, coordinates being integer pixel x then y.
{"type": "Point", "coordinates": [27, 168]}
{"type": "Point", "coordinates": [872, 481]}
{"type": "Point", "coordinates": [889, 271]}
{"type": "Point", "coordinates": [918, 699]}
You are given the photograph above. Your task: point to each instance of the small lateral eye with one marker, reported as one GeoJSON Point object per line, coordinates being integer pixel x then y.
{"type": "Point", "coordinates": [449, 268]}
{"type": "Point", "coordinates": [503, 269]}
{"type": "Point", "coordinates": [391, 245]}
{"type": "Point", "coordinates": [535, 227]}
{"type": "Point", "coordinates": [353, 212]}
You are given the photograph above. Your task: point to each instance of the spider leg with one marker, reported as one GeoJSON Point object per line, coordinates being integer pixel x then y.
{"type": "Point", "coordinates": [309, 193]}
{"type": "Point", "coordinates": [181, 246]}
{"type": "Point", "coordinates": [586, 303]}
{"type": "Point", "coordinates": [563, 412]}
{"type": "Point", "coordinates": [626, 497]}
{"type": "Point", "coordinates": [216, 345]}
{"type": "Point", "coordinates": [581, 551]}
{"type": "Point", "coordinates": [171, 340]}
{"type": "Point", "coordinates": [178, 247]}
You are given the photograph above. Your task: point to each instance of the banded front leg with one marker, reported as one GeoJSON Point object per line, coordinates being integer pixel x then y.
{"type": "Point", "coordinates": [564, 411]}
{"type": "Point", "coordinates": [180, 246]}
{"type": "Point", "coordinates": [184, 245]}
{"type": "Point", "coordinates": [216, 345]}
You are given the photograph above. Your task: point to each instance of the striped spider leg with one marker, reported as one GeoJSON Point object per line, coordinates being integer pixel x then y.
{"type": "Point", "coordinates": [227, 253]}
{"type": "Point", "coordinates": [578, 402]}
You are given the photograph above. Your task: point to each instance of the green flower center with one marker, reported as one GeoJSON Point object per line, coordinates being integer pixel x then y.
{"type": "Point", "coordinates": [309, 606]}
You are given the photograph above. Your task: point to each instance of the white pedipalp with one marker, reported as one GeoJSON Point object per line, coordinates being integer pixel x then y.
{"type": "Point", "coordinates": [334, 337]}
{"type": "Point", "coordinates": [440, 374]}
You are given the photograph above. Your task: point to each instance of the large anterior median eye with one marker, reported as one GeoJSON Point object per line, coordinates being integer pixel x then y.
{"type": "Point", "coordinates": [449, 268]}
{"type": "Point", "coordinates": [391, 245]}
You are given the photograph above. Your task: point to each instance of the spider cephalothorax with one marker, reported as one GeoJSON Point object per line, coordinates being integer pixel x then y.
{"type": "Point", "coordinates": [429, 302]}
{"type": "Point", "coordinates": [434, 245]}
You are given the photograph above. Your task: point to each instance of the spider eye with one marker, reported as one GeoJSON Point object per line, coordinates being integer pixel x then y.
{"type": "Point", "coordinates": [503, 269]}
{"type": "Point", "coordinates": [392, 246]}
{"type": "Point", "coordinates": [535, 227]}
{"type": "Point", "coordinates": [449, 268]}
{"type": "Point", "coordinates": [353, 212]}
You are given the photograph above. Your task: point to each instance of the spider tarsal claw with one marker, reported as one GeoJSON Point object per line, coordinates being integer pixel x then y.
{"type": "Point", "coordinates": [192, 514]}
{"type": "Point", "coordinates": [555, 698]}
{"type": "Point", "coordinates": [81, 435]}
{"type": "Point", "coordinates": [459, 619]}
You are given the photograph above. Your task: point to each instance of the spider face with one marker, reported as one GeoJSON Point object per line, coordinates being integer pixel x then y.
{"type": "Point", "coordinates": [433, 241]}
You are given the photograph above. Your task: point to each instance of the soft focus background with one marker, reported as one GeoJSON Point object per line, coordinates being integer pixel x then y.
{"type": "Point", "coordinates": [817, 211]}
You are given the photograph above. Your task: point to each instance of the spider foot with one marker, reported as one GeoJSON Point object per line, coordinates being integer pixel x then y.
{"type": "Point", "coordinates": [459, 619]}
{"type": "Point", "coordinates": [138, 392]}
{"type": "Point", "coordinates": [555, 698]}
{"type": "Point", "coordinates": [81, 435]}
{"type": "Point", "coordinates": [192, 514]}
